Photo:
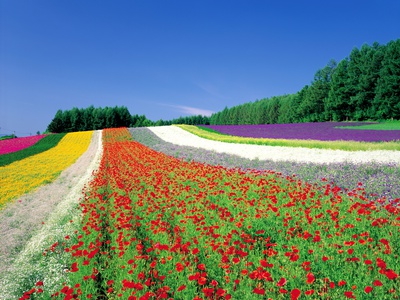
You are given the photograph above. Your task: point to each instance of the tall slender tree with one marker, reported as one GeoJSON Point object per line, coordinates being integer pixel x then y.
{"type": "Point", "coordinates": [387, 98]}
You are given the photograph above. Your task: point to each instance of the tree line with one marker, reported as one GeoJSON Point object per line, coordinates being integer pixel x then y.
{"type": "Point", "coordinates": [188, 120]}
{"type": "Point", "coordinates": [363, 86]}
{"type": "Point", "coordinates": [92, 118]}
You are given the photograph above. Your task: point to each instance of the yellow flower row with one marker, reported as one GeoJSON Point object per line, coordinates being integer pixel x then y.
{"type": "Point", "coordinates": [25, 175]}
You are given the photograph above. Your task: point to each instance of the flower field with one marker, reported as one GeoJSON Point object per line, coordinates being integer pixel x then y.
{"type": "Point", "coordinates": [44, 144]}
{"type": "Point", "coordinates": [318, 143]}
{"type": "Point", "coordinates": [157, 227]}
{"type": "Point", "coordinates": [326, 131]}
{"type": "Point", "coordinates": [23, 176]}
{"type": "Point", "coordinates": [379, 179]}
{"type": "Point", "coordinates": [17, 144]}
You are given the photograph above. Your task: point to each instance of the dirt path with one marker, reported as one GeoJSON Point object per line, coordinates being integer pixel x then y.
{"type": "Point", "coordinates": [23, 218]}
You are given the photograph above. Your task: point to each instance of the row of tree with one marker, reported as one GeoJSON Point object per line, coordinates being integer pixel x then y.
{"type": "Point", "coordinates": [189, 120]}
{"type": "Point", "coordinates": [92, 118]}
{"type": "Point", "coordinates": [363, 86]}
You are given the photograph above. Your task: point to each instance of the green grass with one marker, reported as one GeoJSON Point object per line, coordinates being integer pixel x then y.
{"type": "Point", "coordinates": [6, 137]}
{"type": "Point", "coordinates": [42, 145]}
{"type": "Point", "coordinates": [335, 145]}
{"type": "Point", "coordinates": [387, 125]}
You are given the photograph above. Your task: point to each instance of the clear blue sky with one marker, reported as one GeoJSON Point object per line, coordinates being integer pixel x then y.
{"type": "Point", "coordinates": [170, 58]}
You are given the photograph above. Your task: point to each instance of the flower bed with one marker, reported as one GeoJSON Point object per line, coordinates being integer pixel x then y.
{"type": "Point", "coordinates": [156, 227]}
{"type": "Point", "coordinates": [24, 175]}
{"type": "Point", "coordinates": [308, 131]}
{"type": "Point", "coordinates": [17, 144]}
{"type": "Point", "coordinates": [44, 144]}
{"type": "Point", "coordinates": [380, 180]}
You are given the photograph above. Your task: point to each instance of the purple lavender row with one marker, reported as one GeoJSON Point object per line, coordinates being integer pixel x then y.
{"type": "Point", "coordinates": [309, 131]}
{"type": "Point", "coordinates": [379, 180]}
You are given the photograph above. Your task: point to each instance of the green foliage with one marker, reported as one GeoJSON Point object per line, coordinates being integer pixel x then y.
{"type": "Point", "coordinates": [92, 118]}
{"type": "Point", "coordinates": [264, 111]}
{"type": "Point", "coordinates": [7, 137]}
{"type": "Point", "coordinates": [42, 145]}
{"type": "Point", "coordinates": [388, 125]}
{"type": "Point", "coordinates": [363, 86]}
{"type": "Point", "coordinates": [387, 96]}
{"type": "Point", "coordinates": [189, 120]}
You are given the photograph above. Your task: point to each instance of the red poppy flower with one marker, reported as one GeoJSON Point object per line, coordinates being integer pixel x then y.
{"type": "Point", "coordinates": [309, 292]}
{"type": "Point", "coordinates": [349, 294]}
{"type": "Point", "coordinates": [110, 282]}
{"type": "Point", "coordinates": [310, 278]}
{"type": "Point", "coordinates": [390, 274]}
{"type": "Point", "coordinates": [368, 289]}
{"type": "Point", "coordinates": [128, 284]}
{"type": "Point", "coordinates": [377, 283]}
{"type": "Point", "coordinates": [179, 267]}
{"type": "Point", "coordinates": [350, 243]}
{"type": "Point", "coordinates": [283, 291]}
{"type": "Point", "coordinates": [341, 283]}
{"type": "Point", "coordinates": [220, 292]}
{"type": "Point", "coordinates": [295, 294]}
{"type": "Point", "coordinates": [181, 288]}
{"type": "Point", "coordinates": [202, 281]}
{"type": "Point", "coordinates": [294, 257]}
{"type": "Point", "coordinates": [259, 291]}
{"type": "Point", "coordinates": [281, 282]}
{"type": "Point", "coordinates": [236, 260]}
{"type": "Point", "coordinates": [74, 267]}
{"type": "Point", "coordinates": [208, 292]}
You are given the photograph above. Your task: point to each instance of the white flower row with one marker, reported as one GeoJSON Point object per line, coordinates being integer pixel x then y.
{"type": "Point", "coordinates": [178, 136]}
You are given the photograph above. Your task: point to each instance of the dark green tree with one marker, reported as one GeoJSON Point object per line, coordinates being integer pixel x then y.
{"type": "Point", "coordinates": [56, 125]}
{"type": "Point", "coordinates": [387, 97]}
{"type": "Point", "coordinates": [123, 117]}
{"type": "Point", "coordinates": [312, 106]}
{"type": "Point", "coordinates": [369, 65]}
{"type": "Point", "coordinates": [87, 118]}
{"type": "Point", "coordinates": [337, 106]}
{"type": "Point", "coordinates": [76, 120]}
{"type": "Point", "coordinates": [99, 118]}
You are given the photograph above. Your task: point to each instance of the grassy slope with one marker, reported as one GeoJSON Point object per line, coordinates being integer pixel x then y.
{"type": "Point", "coordinates": [388, 125]}
{"type": "Point", "coordinates": [42, 145]}
{"type": "Point", "coordinates": [336, 145]}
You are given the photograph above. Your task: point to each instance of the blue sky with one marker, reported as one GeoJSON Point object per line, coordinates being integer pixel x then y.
{"type": "Point", "coordinates": [170, 58]}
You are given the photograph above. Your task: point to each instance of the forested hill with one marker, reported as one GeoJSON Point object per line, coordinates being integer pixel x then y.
{"type": "Point", "coordinates": [363, 86]}
{"type": "Point", "coordinates": [91, 118]}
